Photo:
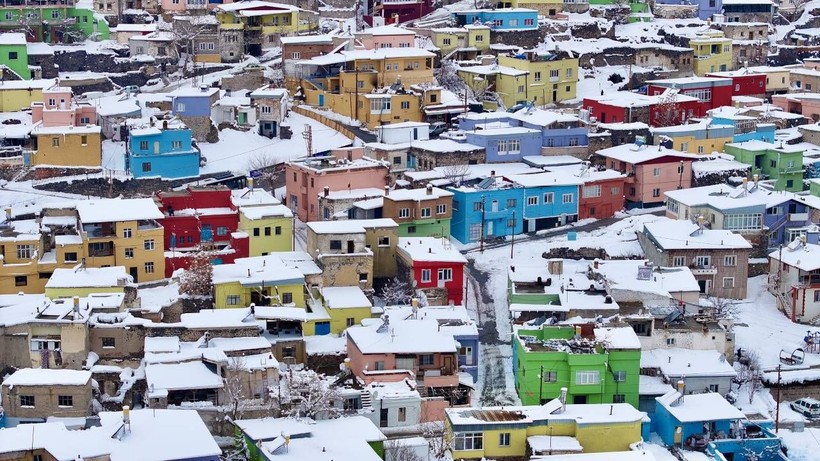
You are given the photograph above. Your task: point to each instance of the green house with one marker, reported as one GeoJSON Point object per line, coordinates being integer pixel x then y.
{"type": "Point", "coordinates": [782, 163]}
{"type": "Point", "coordinates": [13, 54]}
{"type": "Point", "coordinates": [52, 23]}
{"type": "Point", "coordinates": [595, 365]}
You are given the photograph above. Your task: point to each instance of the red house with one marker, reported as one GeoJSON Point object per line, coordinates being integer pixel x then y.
{"type": "Point", "coordinates": [629, 107]}
{"type": "Point", "coordinates": [406, 10]}
{"type": "Point", "coordinates": [199, 217]}
{"type": "Point", "coordinates": [434, 266]}
{"type": "Point", "coordinates": [602, 194]}
{"type": "Point", "coordinates": [744, 83]}
{"type": "Point", "coordinates": [710, 92]}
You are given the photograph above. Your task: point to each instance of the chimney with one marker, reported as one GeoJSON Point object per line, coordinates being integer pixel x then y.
{"type": "Point", "coordinates": [386, 190]}
{"type": "Point", "coordinates": [126, 414]}
{"type": "Point", "coordinates": [429, 189]}
{"type": "Point", "coordinates": [203, 88]}
{"type": "Point", "coordinates": [756, 177]}
{"type": "Point", "coordinates": [492, 173]}
{"type": "Point", "coordinates": [681, 388]}
{"type": "Point", "coordinates": [76, 300]}
{"type": "Point", "coordinates": [563, 399]}
{"type": "Point", "coordinates": [595, 263]}
{"type": "Point", "coordinates": [165, 124]}
{"type": "Point", "coordinates": [8, 214]}
{"type": "Point", "coordinates": [327, 191]}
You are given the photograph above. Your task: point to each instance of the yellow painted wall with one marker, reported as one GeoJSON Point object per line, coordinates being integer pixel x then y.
{"type": "Point", "coordinates": [55, 293]}
{"type": "Point", "coordinates": [479, 38]}
{"type": "Point", "coordinates": [446, 48]}
{"type": "Point", "coordinates": [223, 290]}
{"type": "Point", "coordinates": [692, 144]}
{"type": "Point", "coordinates": [267, 244]}
{"type": "Point", "coordinates": [207, 58]}
{"type": "Point", "coordinates": [600, 438]}
{"type": "Point", "coordinates": [543, 88]}
{"type": "Point", "coordinates": [342, 105]}
{"type": "Point", "coordinates": [778, 80]}
{"type": "Point", "coordinates": [338, 318]}
{"type": "Point", "coordinates": [704, 60]}
{"type": "Point", "coordinates": [141, 255]}
{"type": "Point", "coordinates": [71, 150]}
{"type": "Point", "coordinates": [12, 100]}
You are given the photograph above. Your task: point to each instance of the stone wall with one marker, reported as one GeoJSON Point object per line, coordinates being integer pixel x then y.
{"type": "Point", "coordinates": [185, 334]}
{"type": "Point", "coordinates": [338, 126]}
{"type": "Point", "coordinates": [249, 79]}
{"type": "Point", "coordinates": [522, 38]}
{"type": "Point", "coordinates": [598, 141]}
{"type": "Point", "coordinates": [56, 172]}
{"type": "Point", "coordinates": [202, 128]}
{"type": "Point", "coordinates": [675, 11]}
{"type": "Point", "coordinates": [720, 177]}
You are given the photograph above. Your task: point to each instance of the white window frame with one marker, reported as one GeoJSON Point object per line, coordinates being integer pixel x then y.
{"type": "Point", "coordinates": [445, 274]}
{"type": "Point", "coordinates": [730, 260]}
{"type": "Point", "coordinates": [426, 275]}
{"type": "Point", "coordinates": [587, 378]}
{"type": "Point", "coordinates": [593, 190]}
{"type": "Point", "coordinates": [441, 208]}
{"type": "Point", "coordinates": [404, 212]}
{"type": "Point", "coordinates": [568, 198]}
{"type": "Point", "coordinates": [532, 200]}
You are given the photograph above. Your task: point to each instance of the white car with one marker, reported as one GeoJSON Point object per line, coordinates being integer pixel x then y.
{"type": "Point", "coordinates": [807, 407]}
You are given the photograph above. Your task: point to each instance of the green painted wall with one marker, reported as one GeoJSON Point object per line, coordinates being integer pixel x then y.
{"type": "Point", "coordinates": [15, 57]}
{"type": "Point", "coordinates": [786, 168]}
{"type": "Point", "coordinates": [426, 228]}
{"type": "Point", "coordinates": [55, 27]}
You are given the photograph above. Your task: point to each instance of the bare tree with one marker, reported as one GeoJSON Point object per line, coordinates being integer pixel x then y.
{"type": "Point", "coordinates": [197, 280]}
{"type": "Point", "coordinates": [396, 292]}
{"type": "Point", "coordinates": [723, 308]}
{"type": "Point", "coordinates": [447, 77]}
{"type": "Point", "coordinates": [265, 163]}
{"type": "Point", "coordinates": [750, 374]}
{"type": "Point", "coordinates": [439, 438]}
{"type": "Point", "coordinates": [311, 395]}
{"type": "Point", "coordinates": [184, 33]}
{"type": "Point", "coordinates": [667, 112]}
{"type": "Point", "coordinates": [394, 450]}
{"type": "Point", "coordinates": [455, 173]}
{"type": "Point", "coordinates": [234, 389]}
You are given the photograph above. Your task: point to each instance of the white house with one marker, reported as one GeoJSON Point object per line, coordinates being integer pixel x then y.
{"type": "Point", "coordinates": [794, 273]}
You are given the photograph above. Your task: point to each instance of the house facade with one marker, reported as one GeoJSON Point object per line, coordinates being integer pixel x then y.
{"type": "Point", "coordinates": [162, 151]}
{"type": "Point", "coordinates": [420, 212]}
{"type": "Point", "coordinates": [778, 162]}
{"type": "Point", "coordinates": [33, 395]}
{"type": "Point", "coordinates": [501, 19]}
{"type": "Point", "coordinates": [273, 108]}
{"type": "Point", "coordinates": [434, 267]}
{"type": "Point", "coordinates": [713, 53]}
{"type": "Point", "coordinates": [193, 107]}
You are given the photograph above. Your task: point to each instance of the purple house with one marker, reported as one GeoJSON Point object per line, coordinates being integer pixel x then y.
{"type": "Point", "coordinates": [193, 106]}
{"type": "Point", "coordinates": [502, 144]}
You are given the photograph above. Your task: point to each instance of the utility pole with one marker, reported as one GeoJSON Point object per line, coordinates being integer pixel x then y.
{"type": "Point", "coordinates": [777, 410]}
{"type": "Point", "coordinates": [541, 386]}
{"type": "Point", "coordinates": [483, 207]}
{"type": "Point", "coordinates": [512, 232]}
{"type": "Point", "coordinates": [356, 102]}
{"type": "Point", "coordinates": [308, 135]}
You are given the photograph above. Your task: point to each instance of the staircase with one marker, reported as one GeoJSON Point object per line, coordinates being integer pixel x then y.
{"type": "Point", "coordinates": [784, 303]}
{"type": "Point", "coordinates": [366, 401]}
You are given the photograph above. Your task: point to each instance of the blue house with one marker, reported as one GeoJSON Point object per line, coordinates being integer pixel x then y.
{"type": "Point", "coordinates": [193, 106]}
{"type": "Point", "coordinates": [746, 128]}
{"type": "Point", "coordinates": [550, 199]}
{"type": "Point", "coordinates": [557, 130]}
{"type": "Point", "coordinates": [506, 144]}
{"type": "Point", "coordinates": [493, 202]}
{"type": "Point", "coordinates": [165, 152]}
{"type": "Point", "coordinates": [710, 423]}
{"type": "Point", "coordinates": [499, 19]}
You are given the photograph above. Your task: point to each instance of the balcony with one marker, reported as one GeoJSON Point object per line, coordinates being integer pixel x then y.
{"type": "Point", "coordinates": [445, 377]}
{"type": "Point", "coordinates": [798, 217]}
{"type": "Point", "coordinates": [703, 270]}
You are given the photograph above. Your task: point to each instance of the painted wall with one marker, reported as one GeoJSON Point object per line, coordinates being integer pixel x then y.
{"type": "Point", "coordinates": [82, 149]}
{"type": "Point", "coordinates": [267, 235]}
{"type": "Point", "coordinates": [529, 144]}
{"type": "Point", "coordinates": [15, 57]}
{"type": "Point", "coordinates": [467, 219]}
{"type": "Point", "coordinates": [610, 200]}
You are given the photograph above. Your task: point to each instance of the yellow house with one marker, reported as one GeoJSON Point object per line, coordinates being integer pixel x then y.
{"type": "Point", "coordinates": [345, 307]}
{"type": "Point", "coordinates": [92, 233]}
{"type": "Point", "coordinates": [778, 79]}
{"type": "Point", "coordinates": [260, 280]}
{"type": "Point", "coordinates": [544, 7]}
{"type": "Point", "coordinates": [461, 43]}
{"type": "Point", "coordinates": [268, 223]}
{"type": "Point", "coordinates": [20, 94]}
{"type": "Point", "coordinates": [264, 22]}
{"type": "Point", "coordinates": [79, 281]}
{"type": "Point", "coordinates": [508, 83]}
{"type": "Point", "coordinates": [712, 51]}
{"type": "Point", "coordinates": [71, 146]}
{"type": "Point", "coordinates": [696, 138]}
{"type": "Point", "coordinates": [552, 77]}
{"type": "Point", "coordinates": [518, 432]}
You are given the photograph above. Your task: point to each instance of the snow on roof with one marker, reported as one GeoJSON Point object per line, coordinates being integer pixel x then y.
{"type": "Point", "coordinates": [336, 227]}
{"type": "Point", "coordinates": [345, 297]}
{"type": "Point", "coordinates": [217, 318]}
{"type": "Point", "coordinates": [676, 362]}
{"type": "Point", "coordinates": [653, 385]}
{"type": "Point", "coordinates": [493, 69]}
{"type": "Point", "coordinates": [270, 211]}
{"type": "Point", "coordinates": [258, 270]}
{"type": "Point", "coordinates": [325, 345]}
{"type": "Point", "coordinates": [389, 29]}
{"type": "Point", "coordinates": [356, 194]}
{"type": "Point", "coordinates": [150, 27]}
{"type": "Point", "coordinates": [195, 91]}
{"type": "Point", "coordinates": [430, 249]}
{"type": "Point", "coordinates": [545, 179]}
{"type": "Point", "coordinates": [10, 38]}
{"type": "Point", "coordinates": [755, 145]}
{"type": "Point", "coordinates": [725, 197]}
{"type": "Point", "coordinates": [306, 39]}
{"type": "Point", "coordinates": [804, 257]}
{"type": "Point", "coordinates": [402, 336]}
{"type": "Point", "coordinates": [627, 99]}
{"type": "Point", "coordinates": [559, 443]}
{"type": "Point", "coordinates": [434, 193]}
{"type": "Point", "coordinates": [89, 277]}
{"type": "Point", "coordinates": [552, 160]}
{"type": "Point", "coordinates": [703, 167]}
{"type": "Point", "coordinates": [670, 234]}
{"type": "Point", "coordinates": [579, 413]}
{"type": "Point", "coordinates": [634, 154]}
{"type": "Point", "coordinates": [393, 390]}
{"type": "Point", "coordinates": [116, 210]}
{"type": "Point", "coordinates": [623, 275]}
{"type": "Point", "coordinates": [117, 105]}
{"type": "Point", "coordinates": [695, 408]}
{"type": "Point", "coordinates": [39, 129]}
{"type": "Point", "coordinates": [180, 376]}
{"type": "Point", "coordinates": [618, 337]}
{"type": "Point", "coordinates": [48, 377]}
{"type": "Point", "coordinates": [445, 146]}
{"type": "Point", "coordinates": [161, 344]}
{"type": "Point", "coordinates": [635, 455]}
{"type": "Point", "coordinates": [269, 93]}
{"type": "Point", "coordinates": [250, 197]}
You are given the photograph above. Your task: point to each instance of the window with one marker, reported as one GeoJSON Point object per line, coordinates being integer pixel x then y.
{"type": "Point", "coordinates": [510, 223]}
{"type": "Point", "coordinates": [148, 244]}
{"type": "Point", "coordinates": [549, 198]}
{"type": "Point", "coordinates": [520, 88]}
{"type": "Point", "coordinates": [233, 300]}
{"type": "Point", "coordinates": [402, 414]}
{"type": "Point", "coordinates": [592, 191]}
{"type": "Point", "coordinates": [441, 208]}
{"type": "Point", "coordinates": [350, 321]}
{"type": "Point", "coordinates": [379, 366]}
{"type": "Point", "coordinates": [479, 38]}
{"type": "Point", "coordinates": [569, 73]}
{"type": "Point", "coordinates": [425, 275]}
{"type": "Point", "coordinates": [379, 105]}
{"type": "Point", "coordinates": [511, 203]}
{"type": "Point", "coordinates": [529, 22]}
{"type": "Point", "coordinates": [703, 261]}
{"type": "Point", "coordinates": [425, 212]}
{"type": "Point", "coordinates": [567, 198]}
{"type": "Point", "coordinates": [411, 229]}
{"type": "Point", "coordinates": [176, 144]}
{"type": "Point", "coordinates": [702, 95]}
{"type": "Point", "coordinates": [26, 400]}
{"type": "Point", "coordinates": [573, 142]}
{"type": "Point", "coordinates": [587, 377]}
{"type": "Point", "coordinates": [149, 267]}
{"type": "Point", "coordinates": [508, 146]}
{"type": "Point", "coordinates": [45, 344]}
{"type": "Point", "coordinates": [678, 261]}
{"type": "Point", "coordinates": [287, 298]}
{"type": "Point", "coordinates": [295, 55]}
{"type": "Point", "coordinates": [70, 257]}
{"type": "Point", "coordinates": [405, 104]}
{"type": "Point", "coordinates": [478, 206]}
{"type": "Point", "coordinates": [384, 241]}
{"type": "Point", "coordinates": [513, 23]}
{"type": "Point", "coordinates": [55, 142]}
{"type": "Point", "coordinates": [146, 166]}
{"type": "Point", "coordinates": [84, 140]}
{"type": "Point", "coordinates": [127, 232]}
{"type": "Point", "coordinates": [24, 251]}
{"type": "Point", "coordinates": [335, 244]}
{"type": "Point", "coordinates": [553, 74]}
{"type": "Point", "coordinates": [475, 232]}
{"type": "Point", "coordinates": [65, 400]}
{"type": "Point", "coordinates": [267, 110]}
{"type": "Point", "coordinates": [504, 437]}
{"type": "Point", "coordinates": [618, 398]}
{"type": "Point", "coordinates": [129, 253]}
{"type": "Point", "coordinates": [222, 230]}
{"type": "Point", "coordinates": [469, 440]}
{"type": "Point", "coordinates": [730, 260]}
{"type": "Point", "coordinates": [619, 376]}
{"type": "Point", "coordinates": [773, 163]}
{"type": "Point", "coordinates": [550, 376]}
{"type": "Point", "coordinates": [713, 388]}
{"type": "Point", "coordinates": [728, 282]}
{"type": "Point", "coordinates": [445, 275]}
{"type": "Point", "coordinates": [670, 341]}
{"type": "Point", "coordinates": [656, 172]}
{"type": "Point", "coordinates": [446, 41]}
{"type": "Point", "coordinates": [533, 200]}
{"type": "Point", "coordinates": [180, 107]}
{"type": "Point", "coordinates": [404, 212]}
{"type": "Point", "coordinates": [656, 192]}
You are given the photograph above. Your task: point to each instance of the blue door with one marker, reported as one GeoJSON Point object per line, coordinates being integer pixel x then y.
{"type": "Point", "coordinates": [173, 240]}
{"type": "Point", "coordinates": [321, 100]}
{"type": "Point", "coordinates": [322, 328]}
{"type": "Point", "coordinates": [207, 234]}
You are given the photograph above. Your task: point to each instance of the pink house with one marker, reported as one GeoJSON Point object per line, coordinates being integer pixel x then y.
{"type": "Point", "coordinates": [342, 169]}
{"type": "Point", "coordinates": [650, 171]}
{"type": "Point", "coordinates": [392, 350]}
{"type": "Point", "coordinates": [807, 104]}
{"type": "Point", "coordinates": [190, 5]}
{"type": "Point", "coordinates": [389, 36]}
{"type": "Point", "coordinates": [60, 109]}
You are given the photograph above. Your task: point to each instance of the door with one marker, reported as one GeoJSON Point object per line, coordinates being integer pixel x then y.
{"type": "Point", "coordinates": [156, 147]}
{"type": "Point", "coordinates": [206, 234]}
{"type": "Point", "coordinates": [243, 118]}
{"type": "Point", "coordinates": [134, 273]}
{"type": "Point", "coordinates": [554, 96]}
{"type": "Point", "coordinates": [322, 328]}
{"type": "Point", "coordinates": [321, 100]}
{"type": "Point", "coordinates": [494, 206]}
{"type": "Point", "coordinates": [350, 246]}
{"type": "Point", "coordinates": [468, 355]}
{"type": "Point", "coordinates": [448, 363]}
{"type": "Point", "coordinates": [702, 285]}
{"type": "Point", "coordinates": [489, 228]}
{"type": "Point", "coordinates": [383, 417]}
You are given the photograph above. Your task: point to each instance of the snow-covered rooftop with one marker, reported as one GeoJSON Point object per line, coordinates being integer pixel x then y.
{"type": "Point", "coordinates": [117, 210]}
{"type": "Point", "coordinates": [89, 277]}
{"type": "Point", "coordinates": [709, 406]}
{"type": "Point", "coordinates": [344, 297]}
{"type": "Point", "coordinates": [725, 197]}
{"type": "Point", "coordinates": [48, 377]}
{"type": "Point", "coordinates": [180, 376]}
{"type": "Point", "coordinates": [433, 193]}
{"type": "Point", "coordinates": [676, 363]}
{"type": "Point", "coordinates": [258, 270]}
{"type": "Point", "coordinates": [805, 257]}
{"type": "Point", "coordinates": [430, 249]}
{"type": "Point", "coordinates": [634, 154]}
{"type": "Point", "coordinates": [402, 337]}
{"type": "Point", "coordinates": [681, 235]}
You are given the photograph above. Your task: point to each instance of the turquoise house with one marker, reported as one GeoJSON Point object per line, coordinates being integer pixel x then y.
{"type": "Point", "coordinates": [165, 152]}
{"type": "Point", "coordinates": [747, 128]}
{"type": "Point", "coordinates": [500, 19]}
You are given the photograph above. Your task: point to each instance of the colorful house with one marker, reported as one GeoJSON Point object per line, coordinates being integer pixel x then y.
{"type": "Point", "coordinates": [516, 432]}
{"type": "Point", "coordinates": [781, 163]}
{"type": "Point", "coordinates": [21, 94]}
{"type": "Point", "coordinates": [272, 104]}
{"type": "Point", "coordinates": [501, 19]}
{"type": "Point", "coordinates": [747, 127]}
{"type": "Point", "coordinates": [599, 365]}
{"type": "Point", "coordinates": [650, 171]}
{"type": "Point", "coordinates": [267, 222]}
{"type": "Point", "coordinates": [799, 286]}
{"type": "Point", "coordinates": [713, 52]}
{"type": "Point", "coordinates": [435, 267]}
{"type": "Point", "coordinates": [165, 152]}
{"type": "Point", "coordinates": [544, 7]}
{"type": "Point", "coordinates": [704, 137]}
{"type": "Point", "coordinates": [419, 212]}
{"type": "Point", "coordinates": [507, 144]}
{"type": "Point", "coordinates": [65, 131]}
{"type": "Point", "coordinates": [67, 283]}
{"type": "Point", "coordinates": [653, 109]}
{"type": "Point", "coordinates": [404, 11]}
{"type": "Point", "coordinates": [744, 82]}
{"type": "Point", "coordinates": [550, 199]}
{"type": "Point", "coordinates": [196, 217]}
{"type": "Point", "coordinates": [14, 54]}
{"type": "Point", "coordinates": [262, 281]}
{"type": "Point", "coordinates": [710, 92]}
{"type": "Point", "coordinates": [553, 76]}
{"type": "Point", "coordinates": [54, 22]}
{"type": "Point", "coordinates": [461, 43]}
{"type": "Point", "coordinates": [193, 107]}
{"type": "Point", "coordinates": [486, 210]}
{"type": "Point", "coordinates": [259, 24]}
{"type": "Point", "coordinates": [558, 131]}
{"type": "Point", "coordinates": [387, 36]}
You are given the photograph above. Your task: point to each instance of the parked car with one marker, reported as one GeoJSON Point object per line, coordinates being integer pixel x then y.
{"type": "Point", "coordinates": [437, 128]}
{"type": "Point", "coordinates": [131, 89]}
{"type": "Point", "coordinates": [807, 406]}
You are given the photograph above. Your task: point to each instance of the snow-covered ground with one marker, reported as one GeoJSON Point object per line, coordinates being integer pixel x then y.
{"type": "Point", "coordinates": [803, 446]}
{"type": "Point", "coordinates": [22, 198]}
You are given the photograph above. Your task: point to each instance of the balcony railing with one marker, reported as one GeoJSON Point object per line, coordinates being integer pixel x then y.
{"type": "Point", "coordinates": [798, 217]}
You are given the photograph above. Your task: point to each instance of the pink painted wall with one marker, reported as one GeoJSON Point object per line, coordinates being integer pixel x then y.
{"type": "Point", "coordinates": [645, 180]}
{"type": "Point", "coordinates": [59, 109]}
{"type": "Point", "coordinates": [433, 410]}
{"type": "Point", "coordinates": [809, 107]}
{"type": "Point", "coordinates": [387, 41]}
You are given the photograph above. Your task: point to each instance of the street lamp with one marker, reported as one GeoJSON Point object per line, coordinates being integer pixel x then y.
{"type": "Point", "coordinates": [541, 387]}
